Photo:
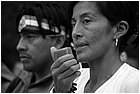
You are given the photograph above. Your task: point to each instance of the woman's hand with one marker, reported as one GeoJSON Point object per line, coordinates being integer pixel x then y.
{"type": "Point", "coordinates": [64, 72]}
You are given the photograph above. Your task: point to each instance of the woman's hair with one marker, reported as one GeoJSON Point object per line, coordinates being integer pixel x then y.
{"type": "Point", "coordinates": [53, 12]}
{"type": "Point", "coordinates": [116, 11]}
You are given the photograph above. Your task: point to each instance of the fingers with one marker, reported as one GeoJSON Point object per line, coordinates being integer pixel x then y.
{"type": "Point", "coordinates": [65, 66]}
{"type": "Point", "coordinates": [73, 76]}
{"type": "Point", "coordinates": [53, 49]}
{"type": "Point", "coordinates": [70, 71]}
{"type": "Point", "coordinates": [61, 60]}
{"type": "Point", "coordinates": [64, 84]}
{"type": "Point", "coordinates": [64, 69]}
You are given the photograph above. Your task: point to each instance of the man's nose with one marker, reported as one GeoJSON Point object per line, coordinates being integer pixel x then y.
{"type": "Point", "coordinates": [21, 45]}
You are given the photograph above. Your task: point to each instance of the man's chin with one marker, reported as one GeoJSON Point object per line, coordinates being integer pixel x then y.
{"type": "Point", "coordinates": [27, 68]}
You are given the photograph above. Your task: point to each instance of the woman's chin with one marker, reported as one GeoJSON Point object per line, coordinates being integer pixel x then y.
{"type": "Point", "coordinates": [81, 58]}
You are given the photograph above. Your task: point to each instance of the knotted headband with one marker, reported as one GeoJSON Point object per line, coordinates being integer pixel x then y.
{"type": "Point", "coordinates": [28, 20]}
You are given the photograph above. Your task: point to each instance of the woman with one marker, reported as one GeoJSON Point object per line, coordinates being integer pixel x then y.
{"type": "Point", "coordinates": [100, 31]}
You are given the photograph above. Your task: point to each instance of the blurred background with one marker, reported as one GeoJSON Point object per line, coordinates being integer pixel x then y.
{"type": "Point", "coordinates": [9, 37]}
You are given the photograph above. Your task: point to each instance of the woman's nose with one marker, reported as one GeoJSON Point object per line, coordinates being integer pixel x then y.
{"type": "Point", "coordinates": [76, 33]}
{"type": "Point", "coordinates": [21, 45]}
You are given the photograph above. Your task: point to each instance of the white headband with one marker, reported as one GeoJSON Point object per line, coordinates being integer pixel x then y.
{"type": "Point", "coordinates": [32, 21]}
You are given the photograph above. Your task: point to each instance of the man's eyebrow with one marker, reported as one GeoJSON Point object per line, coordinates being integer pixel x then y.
{"type": "Point", "coordinates": [26, 31]}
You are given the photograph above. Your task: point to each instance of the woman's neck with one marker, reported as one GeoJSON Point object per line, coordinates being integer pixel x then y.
{"type": "Point", "coordinates": [102, 69]}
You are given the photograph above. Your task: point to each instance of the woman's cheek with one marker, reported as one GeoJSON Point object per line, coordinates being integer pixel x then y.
{"type": "Point", "coordinates": [94, 37]}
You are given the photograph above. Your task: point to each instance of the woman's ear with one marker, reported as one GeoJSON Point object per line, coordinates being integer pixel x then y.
{"type": "Point", "coordinates": [60, 40]}
{"type": "Point", "coordinates": [122, 28]}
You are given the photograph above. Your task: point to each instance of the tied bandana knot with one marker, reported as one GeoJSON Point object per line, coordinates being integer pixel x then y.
{"type": "Point", "coordinates": [28, 20]}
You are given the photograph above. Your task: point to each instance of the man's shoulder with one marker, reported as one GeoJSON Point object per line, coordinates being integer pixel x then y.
{"type": "Point", "coordinates": [18, 84]}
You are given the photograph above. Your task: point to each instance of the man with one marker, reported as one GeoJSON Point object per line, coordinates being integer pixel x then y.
{"type": "Point", "coordinates": [40, 27]}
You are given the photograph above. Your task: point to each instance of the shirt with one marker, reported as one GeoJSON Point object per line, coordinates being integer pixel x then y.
{"type": "Point", "coordinates": [26, 83]}
{"type": "Point", "coordinates": [125, 80]}
{"type": "Point", "coordinates": [6, 77]}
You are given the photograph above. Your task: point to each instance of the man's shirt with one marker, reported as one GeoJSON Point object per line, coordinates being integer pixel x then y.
{"type": "Point", "coordinates": [25, 83]}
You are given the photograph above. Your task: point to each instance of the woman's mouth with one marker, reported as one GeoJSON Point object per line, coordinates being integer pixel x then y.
{"type": "Point", "coordinates": [80, 44]}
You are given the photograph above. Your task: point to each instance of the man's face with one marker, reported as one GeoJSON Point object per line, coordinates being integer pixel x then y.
{"type": "Point", "coordinates": [34, 51]}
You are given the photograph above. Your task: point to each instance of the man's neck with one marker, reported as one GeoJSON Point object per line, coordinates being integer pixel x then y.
{"type": "Point", "coordinates": [40, 76]}
{"type": "Point", "coordinates": [43, 72]}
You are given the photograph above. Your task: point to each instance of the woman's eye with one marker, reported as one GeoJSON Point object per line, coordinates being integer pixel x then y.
{"type": "Point", "coordinates": [73, 22]}
{"type": "Point", "coordinates": [86, 21]}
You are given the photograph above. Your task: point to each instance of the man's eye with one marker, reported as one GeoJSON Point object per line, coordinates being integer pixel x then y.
{"type": "Point", "coordinates": [30, 37]}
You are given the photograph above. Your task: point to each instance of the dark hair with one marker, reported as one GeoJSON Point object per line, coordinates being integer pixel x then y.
{"type": "Point", "coordinates": [54, 14]}
{"type": "Point", "coordinates": [116, 11]}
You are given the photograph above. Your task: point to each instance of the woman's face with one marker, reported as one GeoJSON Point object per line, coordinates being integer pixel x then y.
{"type": "Point", "coordinates": [92, 33]}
